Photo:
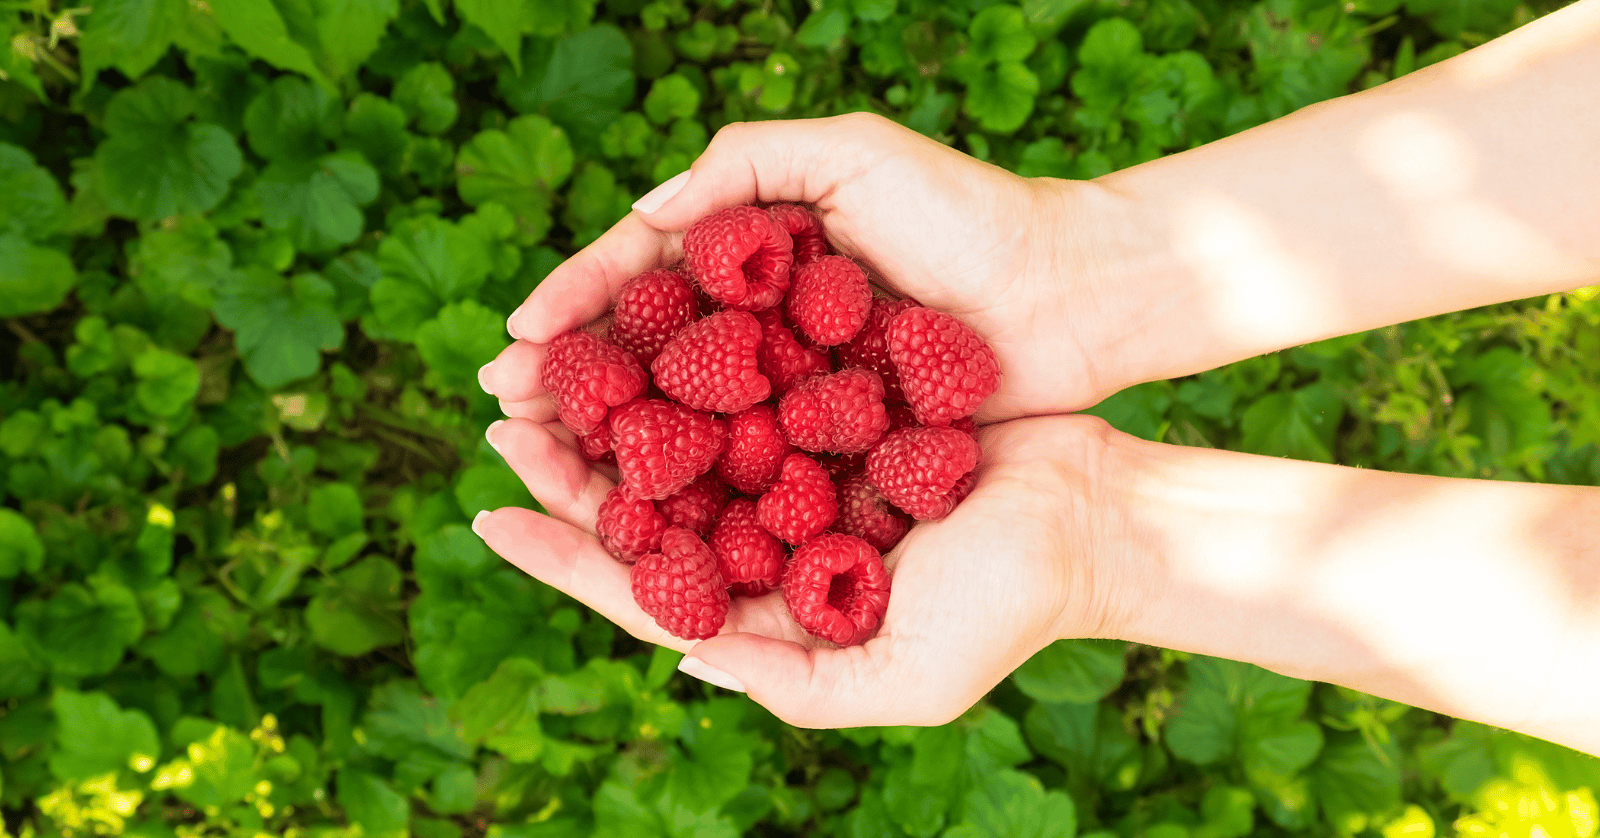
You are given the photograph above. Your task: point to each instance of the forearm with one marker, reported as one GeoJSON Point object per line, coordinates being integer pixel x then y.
{"type": "Point", "coordinates": [1479, 599]}
{"type": "Point", "coordinates": [1469, 182]}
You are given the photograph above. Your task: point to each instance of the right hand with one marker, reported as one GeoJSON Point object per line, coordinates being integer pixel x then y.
{"type": "Point", "coordinates": [1012, 257]}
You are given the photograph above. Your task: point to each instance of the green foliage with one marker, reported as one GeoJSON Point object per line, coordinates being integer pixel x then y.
{"type": "Point", "coordinates": [253, 252]}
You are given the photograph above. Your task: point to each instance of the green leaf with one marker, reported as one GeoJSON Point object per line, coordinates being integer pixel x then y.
{"type": "Point", "coordinates": [1298, 424]}
{"type": "Point", "coordinates": [1229, 812]}
{"type": "Point", "coordinates": [519, 167]}
{"type": "Point", "coordinates": [427, 94]}
{"type": "Point", "coordinates": [1356, 780]}
{"type": "Point", "coordinates": [426, 263]}
{"type": "Point", "coordinates": [32, 279]}
{"type": "Point", "coordinates": [94, 736]}
{"type": "Point", "coordinates": [463, 338]}
{"type": "Point", "coordinates": [823, 28]}
{"type": "Point", "coordinates": [280, 326]}
{"type": "Point", "coordinates": [168, 382]}
{"type": "Point", "coordinates": [34, 206]}
{"type": "Point", "coordinates": [1112, 58]}
{"type": "Point", "coordinates": [503, 711]}
{"type": "Point", "coordinates": [21, 551]}
{"type": "Point", "coordinates": [1001, 99]}
{"type": "Point", "coordinates": [1089, 740]}
{"type": "Point", "coordinates": [671, 97]}
{"type": "Point", "coordinates": [1233, 708]}
{"type": "Point", "coordinates": [454, 550]}
{"type": "Point", "coordinates": [1011, 804]}
{"type": "Point", "coordinates": [376, 127]}
{"type": "Point", "coordinates": [292, 120]}
{"type": "Point", "coordinates": [198, 637]}
{"type": "Point", "coordinates": [81, 630]}
{"type": "Point", "coordinates": [155, 163]}
{"type": "Point", "coordinates": [318, 203]}
{"type": "Point", "coordinates": [582, 82]}
{"type": "Point", "coordinates": [19, 673]}
{"type": "Point", "coordinates": [185, 259]}
{"type": "Point", "coordinates": [504, 22]}
{"type": "Point", "coordinates": [259, 29]}
{"type": "Point", "coordinates": [371, 804]}
{"type": "Point", "coordinates": [404, 725]}
{"type": "Point", "coordinates": [999, 34]}
{"type": "Point", "coordinates": [490, 486]}
{"type": "Point", "coordinates": [359, 610]}
{"type": "Point", "coordinates": [222, 765]}
{"type": "Point", "coordinates": [1072, 670]}
{"type": "Point", "coordinates": [334, 510]}
{"type": "Point", "coordinates": [349, 31]}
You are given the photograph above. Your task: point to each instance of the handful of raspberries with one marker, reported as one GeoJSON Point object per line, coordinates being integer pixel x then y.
{"type": "Point", "coordinates": [775, 425]}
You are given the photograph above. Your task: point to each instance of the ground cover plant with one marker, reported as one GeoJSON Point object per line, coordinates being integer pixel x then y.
{"type": "Point", "coordinates": [252, 253]}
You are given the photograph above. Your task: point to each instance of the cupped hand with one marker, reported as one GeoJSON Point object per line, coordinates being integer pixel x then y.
{"type": "Point", "coordinates": [973, 596]}
{"type": "Point", "coordinates": [1012, 257]}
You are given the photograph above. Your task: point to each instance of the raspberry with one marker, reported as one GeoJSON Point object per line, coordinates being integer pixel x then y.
{"type": "Point", "coordinates": [651, 308]}
{"type": "Point", "coordinates": [829, 299]}
{"type": "Point", "coordinates": [919, 469]}
{"type": "Point", "coordinates": [945, 369]}
{"type": "Point", "coordinates": [783, 359]}
{"type": "Point", "coordinates": [740, 256]}
{"type": "Point", "coordinates": [662, 446]}
{"type": "Point", "coordinates": [837, 588]}
{"type": "Point", "coordinates": [629, 526]}
{"type": "Point", "coordinates": [596, 445]}
{"type": "Point", "coordinates": [801, 504]}
{"type": "Point", "coordinates": [711, 364]}
{"type": "Point", "coordinates": [804, 228]}
{"type": "Point", "coordinates": [755, 451]}
{"type": "Point", "coordinates": [842, 466]}
{"type": "Point", "coordinates": [587, 375]}
{"type": "Point", "coordinates": [840, 413]}
{"type": "Point", "coordinates": [865, 514]}
{"type": "Point", "coordinates": [696, 506]}
{"type": "Point", "coordinates": [680, 586]}
{"type": "Point", "coordinates": [748, 557]}
{"type": "Point", "coordinates": [869, 349]}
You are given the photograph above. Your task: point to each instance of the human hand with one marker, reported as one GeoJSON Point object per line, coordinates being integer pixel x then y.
{"type": "Point", "coordinates": [1012, 569]}
{"type": "Point", "coordinates": [1013, 257]}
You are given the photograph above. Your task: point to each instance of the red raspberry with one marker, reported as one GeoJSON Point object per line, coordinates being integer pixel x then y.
{"type": "Point", "coordinates": [945, 369]}
{"type": "Point", "coordinates": [596, 445]}
{"type": "Point", "coordinates": [629, 526]}
{"type": "Point", "coordinates": [711, 364]}
{"type": "Point", "coordinates": [680, 586]}
{"type": "Point", "coordinates": [801, 504]}
{"type": "Point", "coordinates": [755, 451]}
{"type": "Point", "coordinates": [662, 446]}
{"type": "Point", "coordinates": [837, 588]}
{"type": "Point", "coordinates": [840, 413]}
{"type": "Point", "coordinates": [867, 515]}
{"type": "Point", "coordinates": [829, 299]}
{"type": "Point", "coordinates": [748, 557]}
{"type": "Point", "coordinates": [783, 359]}
{"type": "Point", "coordinates": [651, 308]}
{"type": "Point", "coordinates": [869, 349]}
{"type": "Point", "coordinates": [696, 506]}
{"type": "Point", "coordinates": [919, 469]}
{"type": "Point", "coordinates": [804, 227]}
{"type": "Point", "coordinates": [842, 466]}
{"type": "Point", "coordinates": [740, 256]}
{"type": "Point", "coordinates": [587, 375]}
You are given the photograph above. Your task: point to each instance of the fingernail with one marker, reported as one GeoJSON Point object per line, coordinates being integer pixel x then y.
{"type": "Point", "coordinates": [488, 434]}
{"type": "Point", "coordinates": [477, 522]}
{"type": "Point", "coordinates": [655, 198]}
{"type": "Point", "coordinates": [483, 375]}
{"type": "Point", "coordinates": [509, 329]}
{"type": "Point", "coordinates": [709, 674]}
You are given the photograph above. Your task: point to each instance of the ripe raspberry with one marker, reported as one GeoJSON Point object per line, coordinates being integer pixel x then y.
{"type": "Point", "coordinates": [755, 451]}
{"type": "Point", "coordinates": [783, 359]}
{"type": "Point", "coordinates": [587, 375]}
{"type": "Point", "coordinates": [596, 446]}
{"type": "Point", "coordinates": [804, 227]}
{"type": "Point", "coordinates": [869, 349]}
{"type": "Point", "coordinates": [662, 446]}
{"type": "Point", "coordinates": [829, 299]}
{"type": "Point", "coordinates": [843, 466]}
{"type": "Point", "coordinates": [680, 586]}
{"type": "Point", "coordinates": [919, 469]}
{"type": "Point", "coordinates": [696, 506]}
{"type": "Point", "coordinates": [629, 526]}
{"type": "Point", "coordinates": [945, 369]}
{"type": "Point", "coordinates": [801, 504]}
{"type": "Point", "coordinates": [740, 256]}
{"type": "Point", "coordinates": [840, 413]}
{"type": "Point", "coordinates": [711, 364]}
{"type": "Point", "coordinates": [867, 515]}
{"type": "Point", "coordinates": [837, 588]}
{"type": "Point", "coordinates": [651, 308]}
{"type": "Point", "coordinates": [748, 557]}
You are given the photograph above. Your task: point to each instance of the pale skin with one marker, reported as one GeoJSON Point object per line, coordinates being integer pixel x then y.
{"type": "Point", "coordinates": [1470, 182]}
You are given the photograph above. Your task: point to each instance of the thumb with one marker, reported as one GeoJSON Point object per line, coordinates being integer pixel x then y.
{"type": "Point", "coordinates": [878, 683]}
